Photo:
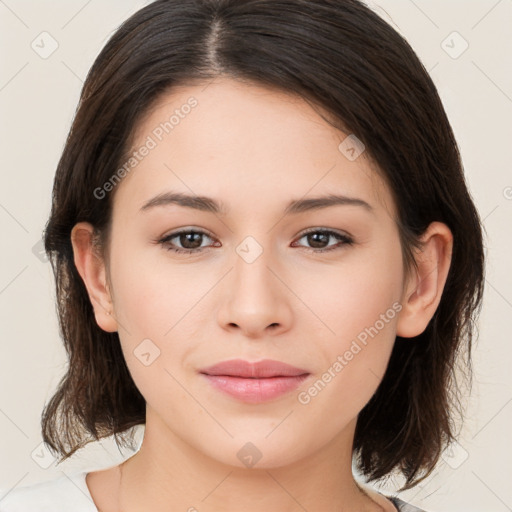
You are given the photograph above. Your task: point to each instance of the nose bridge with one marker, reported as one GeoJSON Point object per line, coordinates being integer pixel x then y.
{"type": "Point", "coordinates": [252, 278]}
{"type": "Point", "coordinates": [255, 298]}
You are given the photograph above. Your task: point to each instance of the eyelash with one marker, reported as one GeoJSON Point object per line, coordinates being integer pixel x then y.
{"type": "Point", "coordinates": [165, 242]}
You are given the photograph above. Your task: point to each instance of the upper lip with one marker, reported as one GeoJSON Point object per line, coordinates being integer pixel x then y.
{"type": "Point", "coordinates": [259, 369]}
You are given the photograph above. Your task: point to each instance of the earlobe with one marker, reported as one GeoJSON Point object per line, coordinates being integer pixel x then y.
{"type": "Point", "coordinates": [92, 270]}
{"type": "Point", "coordinates": [424, 290]}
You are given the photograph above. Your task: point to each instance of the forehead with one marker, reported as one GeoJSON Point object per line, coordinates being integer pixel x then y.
{"type": "Point", "coordinates": [246, 143]}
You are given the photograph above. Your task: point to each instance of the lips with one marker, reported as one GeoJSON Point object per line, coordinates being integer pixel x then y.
{"type": "Point", "coordinates": [266, 368]}
{"type": "Point", "coordinates": [254, 383]}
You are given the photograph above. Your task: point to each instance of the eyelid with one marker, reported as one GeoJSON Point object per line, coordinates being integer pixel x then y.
{"type": "Point", "coordinates": [174, 234]}
{"type": "Point", "coordinates": [324, 229]}
{"type": "Point", "coordinates": [188, 229]}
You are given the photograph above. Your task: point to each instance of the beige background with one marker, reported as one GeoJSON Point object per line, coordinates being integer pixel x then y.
{"type": "Point", "coordinates": [38, 97]}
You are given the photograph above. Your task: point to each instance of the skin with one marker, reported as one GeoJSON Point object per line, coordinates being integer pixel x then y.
{"type": "Point", "coordinates": [254, 149]}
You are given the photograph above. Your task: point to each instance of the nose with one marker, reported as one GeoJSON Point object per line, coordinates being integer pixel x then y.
{"type": "Point", "coordinates": [255, 298]}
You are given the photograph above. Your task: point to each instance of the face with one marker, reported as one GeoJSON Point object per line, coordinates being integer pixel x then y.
{"type": "Point", "coordinates": [318, 288]}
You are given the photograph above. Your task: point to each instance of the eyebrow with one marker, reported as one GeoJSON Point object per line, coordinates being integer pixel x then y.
{"type": "Point", "coordinates": [295, 206]}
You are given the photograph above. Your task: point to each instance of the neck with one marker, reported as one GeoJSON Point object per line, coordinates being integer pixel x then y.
{"type": "Point", "coordinates": [167, 473]}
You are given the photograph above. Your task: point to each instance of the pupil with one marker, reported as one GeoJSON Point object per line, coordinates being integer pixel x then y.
{"type": "Point", "coordinates": [187, 237]}
{"type": "Point", "coordinates": [314, 239]}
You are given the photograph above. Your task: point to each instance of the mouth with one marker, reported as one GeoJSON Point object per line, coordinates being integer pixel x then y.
{"type": "Point", "coordinates": [261, 369]}
{"type": "Point", "coordinates": [254, 382]}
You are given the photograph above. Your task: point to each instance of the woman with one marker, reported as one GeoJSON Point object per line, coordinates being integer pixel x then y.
{"type": "Point", "coordinates": [266, 253]}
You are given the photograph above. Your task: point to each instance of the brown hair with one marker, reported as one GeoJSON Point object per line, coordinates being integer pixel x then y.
{"type": "Point", "coordinates": [342, 57]}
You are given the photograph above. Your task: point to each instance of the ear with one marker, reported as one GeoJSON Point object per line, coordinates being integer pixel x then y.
{"type": "Point", "coordinates": [424, 289]}
{"type": "Point", "coordinates": [91, 268]}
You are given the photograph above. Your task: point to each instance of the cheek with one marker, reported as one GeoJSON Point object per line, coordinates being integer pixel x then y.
{"type": "Point", "coordinates": [147, 309]}
{"type": "Point", "coordinates": [359, 303]}
{"type": "Point", "coordinates": [151, 295]}
{"type": "Point", "coordinates": [355, 295]}
{"type": "Point", "coordinates": [157, 308]}
{"type": "Point", "coordinates": [354, 360]}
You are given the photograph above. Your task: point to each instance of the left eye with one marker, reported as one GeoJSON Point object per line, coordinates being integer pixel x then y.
{"type": "Point", "coordinates": [325, 235]}
{"type": "Point", "coordinates": [191, 241]}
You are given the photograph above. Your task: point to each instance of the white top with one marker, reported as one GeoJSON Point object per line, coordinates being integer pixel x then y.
{"type": "Point", "coordinates": [69, 493]}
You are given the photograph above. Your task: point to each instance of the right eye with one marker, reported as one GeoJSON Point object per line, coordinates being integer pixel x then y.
{"type": "Point", "coordinates": [189, 238]}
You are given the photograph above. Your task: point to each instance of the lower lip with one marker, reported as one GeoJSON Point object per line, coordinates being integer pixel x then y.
{"type": "Point", "coordinates": [255, 391]}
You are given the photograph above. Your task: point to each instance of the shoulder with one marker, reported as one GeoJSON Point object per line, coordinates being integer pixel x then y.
{"type": "Point", "coordinates": [398, 504]}
{"type": "Point", "coordinates": [61, 494]}
{"type": "Point", "coordinates": [402, 506]}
